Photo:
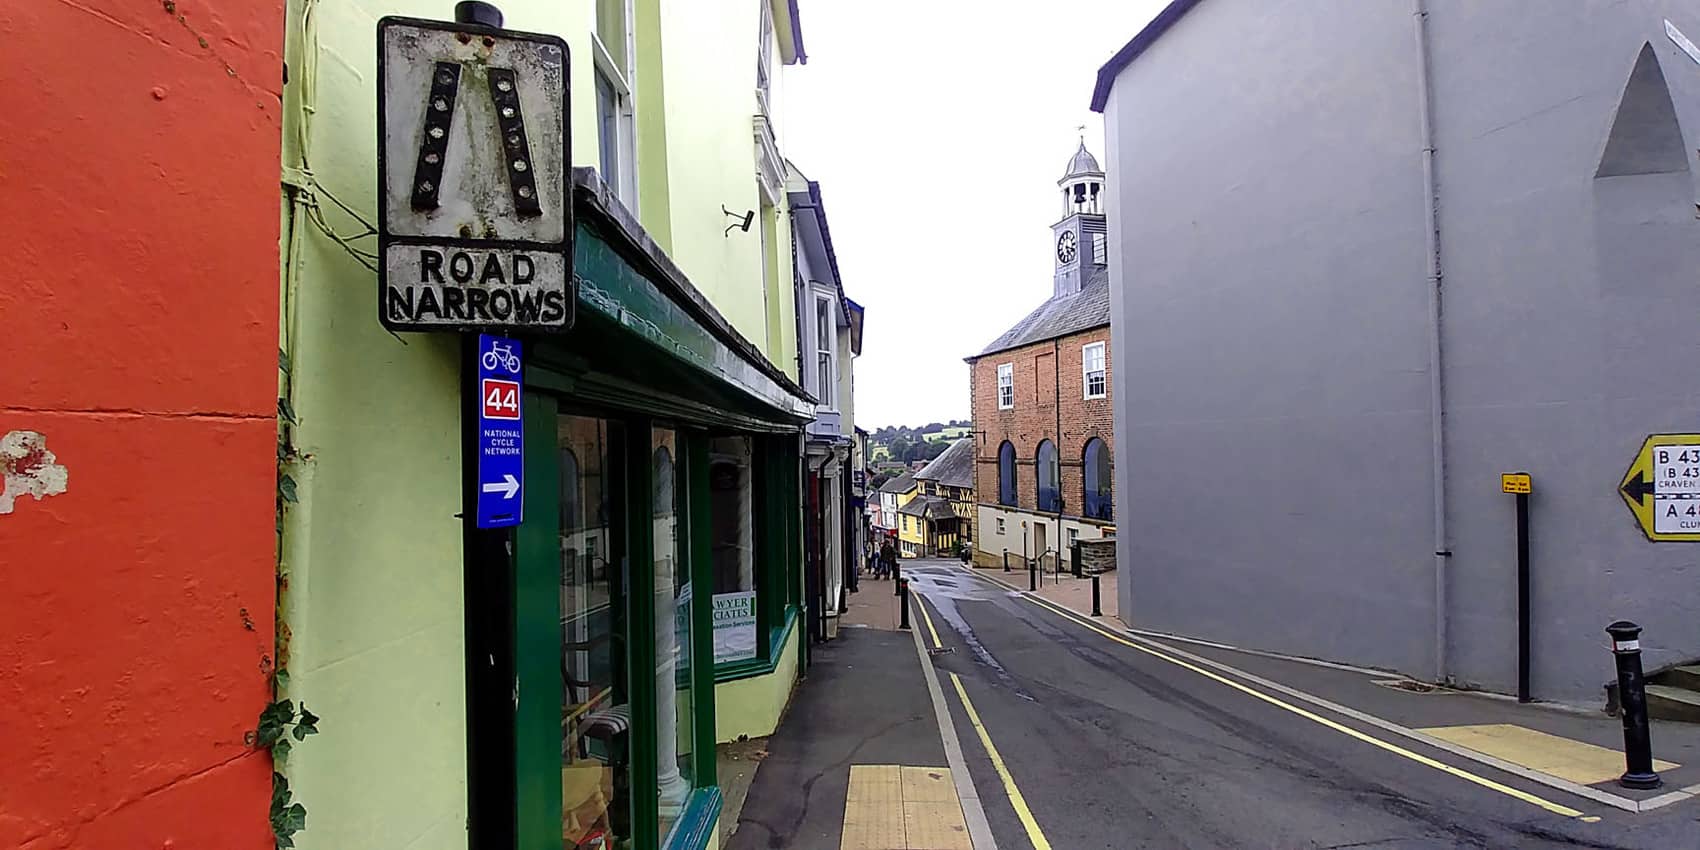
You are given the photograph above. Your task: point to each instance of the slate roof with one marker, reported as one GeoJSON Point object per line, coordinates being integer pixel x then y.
{"type": "Point", "coordinates": [928, 507]}
{"type": "Point", "coordinates": [1061, 315]}
{"type": "Point", "coordinates": [901, 484]}
{"type": "Point", "coordinates": [954, 468]}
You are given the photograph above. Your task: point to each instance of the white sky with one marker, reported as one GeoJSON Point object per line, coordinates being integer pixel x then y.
{"type": "Point", "coordinates": [937, 130]}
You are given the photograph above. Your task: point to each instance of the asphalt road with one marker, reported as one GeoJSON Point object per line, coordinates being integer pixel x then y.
{"type": "Point", "coordinates": [1113, 747]}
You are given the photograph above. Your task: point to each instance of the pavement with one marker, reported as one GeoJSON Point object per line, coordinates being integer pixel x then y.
{"type": "Point", "coordinates": [1073, 731]}
{"type": "Point", "coordinates": [858, 762]}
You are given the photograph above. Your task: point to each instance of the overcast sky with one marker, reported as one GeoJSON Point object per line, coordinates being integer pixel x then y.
{"type": "Point", "coordinates": [938, 130]}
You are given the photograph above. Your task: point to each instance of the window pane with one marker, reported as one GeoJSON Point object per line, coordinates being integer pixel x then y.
{"type": "Point", "coordinates": [611, 31]}
{"type": "Point", "coordinates": [824, 377]}
{"type": "Point", "coordinates": [595, 716]}
{"type": "Point", "coordinates": [673, 709]}
{"type": "Point", "coordinates": [732, 522]}
{"type": "Point", "coordinates": [823, 324]}
{"type": "Point", "coordinates": [608, 132]}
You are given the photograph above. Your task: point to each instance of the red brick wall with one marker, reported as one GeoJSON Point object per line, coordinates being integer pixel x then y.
{"type": "Point", "coordinates": [1036, 415]}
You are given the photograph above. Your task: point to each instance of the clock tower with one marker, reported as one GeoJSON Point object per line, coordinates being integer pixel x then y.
{"type": "Point", "coordinates": [1078, 241]}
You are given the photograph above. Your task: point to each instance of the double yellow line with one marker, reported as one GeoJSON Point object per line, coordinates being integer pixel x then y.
{"type": "Point", "coordinates": [1072, 616]}
{"type": "Point", "coordinates": [1016, 800]}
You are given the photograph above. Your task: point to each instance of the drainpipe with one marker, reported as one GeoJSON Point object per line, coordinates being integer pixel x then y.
{"type": "Point", "coordinates": [1056, 387]}
{"type": "Point", "coordinates": [1437, 397]}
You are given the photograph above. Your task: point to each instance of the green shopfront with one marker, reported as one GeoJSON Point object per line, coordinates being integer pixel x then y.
{"type": "Point", "coordinates": [661, 536]}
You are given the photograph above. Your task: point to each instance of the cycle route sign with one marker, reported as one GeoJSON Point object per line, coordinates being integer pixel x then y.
{"type": "Point", "coordinates": [1662, 487]}
{"type": "Point", "coordinates": [501, 435]}
{"type": "Point", "coordinates": [475, 209]}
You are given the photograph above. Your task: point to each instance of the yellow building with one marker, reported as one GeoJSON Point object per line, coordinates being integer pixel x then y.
{"type": "Point", "coordinates": [521, 688]}
{"type": "Point", "coordinates": [937, 517]}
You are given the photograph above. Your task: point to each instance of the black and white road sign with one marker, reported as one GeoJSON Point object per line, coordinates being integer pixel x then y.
{"type": "Point", "coordinates": [476, 227]}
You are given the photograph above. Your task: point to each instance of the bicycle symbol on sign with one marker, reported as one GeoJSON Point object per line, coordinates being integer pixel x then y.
{"type": "Point", "coordinates": [503, 356]}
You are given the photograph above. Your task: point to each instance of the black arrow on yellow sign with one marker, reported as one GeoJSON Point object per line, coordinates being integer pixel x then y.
{"type": "Point", "coordinates": [1638, 488]}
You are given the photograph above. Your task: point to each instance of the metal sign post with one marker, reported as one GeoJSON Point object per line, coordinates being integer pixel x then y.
{"type": "Point", "coordinates": [1521, 484]}
{"type": "Point", "coordinates": [476, 219]}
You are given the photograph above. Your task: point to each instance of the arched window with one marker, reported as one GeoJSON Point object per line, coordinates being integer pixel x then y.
{"type": "Point", "coordinates": [1097, 499]}
{"type": "Point", "coordinates": [1046, 477]}
{"type": "Point", "coordinates": [1006, 474]}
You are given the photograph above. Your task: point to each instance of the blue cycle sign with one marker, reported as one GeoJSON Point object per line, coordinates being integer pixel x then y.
{"type": "Point", "coordinates": [501, 439]}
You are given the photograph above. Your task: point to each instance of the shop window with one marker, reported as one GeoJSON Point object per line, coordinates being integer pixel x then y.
{"type": "Point", "coordinates": [732, 526]}
{"type": "Point", "coordinates": [1096, 500]}
{"type": "Point", "coordinates": [1006, 474]}
{"type": "Point", "coordinates": [595, 746]}
{"type": "Point", "coordinates": [1045, 477]}
{"type": "Point", "coordinates": [673, 709]}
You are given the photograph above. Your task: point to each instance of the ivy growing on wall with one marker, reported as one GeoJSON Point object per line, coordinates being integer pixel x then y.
{"type": "Point", "coordinates": [282, 723]}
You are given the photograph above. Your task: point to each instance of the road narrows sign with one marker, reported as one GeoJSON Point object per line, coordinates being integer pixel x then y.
{"type": "Point", "coordinates": [1662, 487]}
{"type": "Point", "coordinates": [501, 433]}
{"type": "Point", "coordinates": [476, 220]}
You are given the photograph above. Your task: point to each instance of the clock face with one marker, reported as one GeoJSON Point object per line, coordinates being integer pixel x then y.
{"type": "Point", "coordinates": [1065, 247]}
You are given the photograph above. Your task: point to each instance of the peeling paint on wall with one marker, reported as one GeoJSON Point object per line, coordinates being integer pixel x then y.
{"type": "Point", "coordinates": [28, 468]}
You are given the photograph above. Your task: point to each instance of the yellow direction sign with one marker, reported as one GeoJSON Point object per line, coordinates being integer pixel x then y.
{"type": "Point", "coordinates": [1662, 487]}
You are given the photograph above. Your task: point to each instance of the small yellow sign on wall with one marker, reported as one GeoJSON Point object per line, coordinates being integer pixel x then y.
{"type": "Point", "coordinates": [1516, 482]}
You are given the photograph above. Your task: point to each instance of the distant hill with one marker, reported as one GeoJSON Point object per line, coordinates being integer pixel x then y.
{"type": "Point", "coordinates": [901, 443]}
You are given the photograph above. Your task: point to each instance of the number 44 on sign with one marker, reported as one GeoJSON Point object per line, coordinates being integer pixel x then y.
{"type": "Point", "coordinates": [1662, 487]}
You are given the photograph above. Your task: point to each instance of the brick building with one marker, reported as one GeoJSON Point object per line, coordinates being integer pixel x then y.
{"type": "Point", "coordinates": [1041, 399]}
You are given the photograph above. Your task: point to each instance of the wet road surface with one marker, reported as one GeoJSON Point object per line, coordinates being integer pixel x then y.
{"type": "Point", "coordinates": [1108, 746]}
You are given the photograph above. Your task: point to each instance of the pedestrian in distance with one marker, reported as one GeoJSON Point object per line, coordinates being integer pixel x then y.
{"type": "Point", "coordinates": [888, 561]}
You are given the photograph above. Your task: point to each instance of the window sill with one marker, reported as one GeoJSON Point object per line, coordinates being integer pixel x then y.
{"type": "Point", "coordinates": [696, 826]}
{"type": "Point", "coordinates": [732, 671]}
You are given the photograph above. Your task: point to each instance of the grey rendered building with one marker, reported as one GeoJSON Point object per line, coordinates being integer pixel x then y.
{"type": "Point", "coordinates": [1320, 374]}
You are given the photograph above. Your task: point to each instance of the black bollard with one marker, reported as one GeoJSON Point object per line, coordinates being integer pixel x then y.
{"type": "Point", "coordinates": [903, 603]}
{"type": "Point", "coordinates": [1097, 610]}
{"type": "Point", "coordinates": [1032, 575]}
{"type": "Point", "coordinates": [896, 571]}
{"type": "Point", "coordinates": [1632, 703]}
{"type": "Point", "coordinates": [1006, 560]}
{"type": "Point", "coordinates": [1074, 558]}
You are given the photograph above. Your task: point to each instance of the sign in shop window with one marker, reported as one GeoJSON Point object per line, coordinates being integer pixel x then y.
{"type": "Point", "coordinates": [734, 626]}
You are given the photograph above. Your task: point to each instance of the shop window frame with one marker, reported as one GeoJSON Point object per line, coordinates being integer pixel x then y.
{"type": "Point", "coordinates": [533, 798]}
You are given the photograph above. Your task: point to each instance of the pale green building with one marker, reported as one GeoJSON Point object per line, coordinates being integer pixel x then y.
{"type": "Point", "coordinates": [550, 688]}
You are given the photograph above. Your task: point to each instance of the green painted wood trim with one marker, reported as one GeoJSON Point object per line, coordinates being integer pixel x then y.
{"type": "Point", "coordinates": [684, 324]}
{"type": "Point", "coordinates": [696, 826]}
{"type": "Point", "coordinates": [761, 666]}
{"type": "Point", "coordinates": [794, 552]}
{"type": "Point", "coordinates": [700, 533]}
{"type": "Point", "coordinates": [639, 504]}
{"type": "Point", "coordinates": [537, 638]}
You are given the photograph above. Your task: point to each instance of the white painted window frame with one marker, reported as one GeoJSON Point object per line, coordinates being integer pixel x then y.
{"type": "Point", "coordinates": [1086, 371]}
{"type": "Point", "coordinates": [1006, 386]}
{"type": "Point", "coordinates": [826, 350]}
{"type": "Point", "coordinates": [624, 85]}
{"type": "Point", "coordinates": [764, 60]}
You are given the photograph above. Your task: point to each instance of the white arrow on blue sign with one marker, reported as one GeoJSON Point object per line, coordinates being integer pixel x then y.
{"type": "Point", "coordinates": [501, 439]}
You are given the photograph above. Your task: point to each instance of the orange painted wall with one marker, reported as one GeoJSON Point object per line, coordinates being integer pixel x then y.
{"type": "Point", "coordinates": [138, 333]}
